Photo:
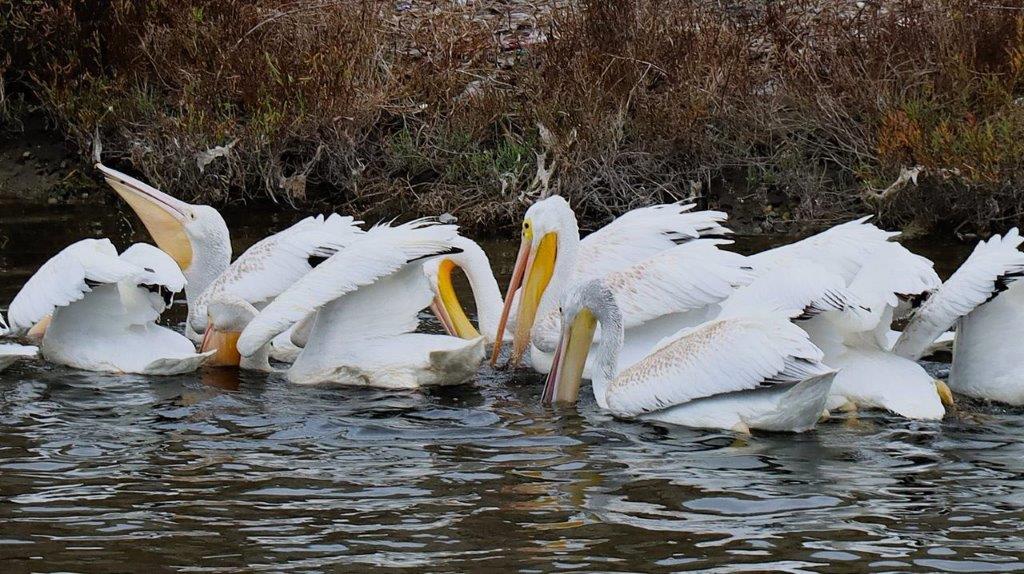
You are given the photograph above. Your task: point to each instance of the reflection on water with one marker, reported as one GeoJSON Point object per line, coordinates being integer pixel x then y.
{"type": "Point", "coordinates": [225, 473]}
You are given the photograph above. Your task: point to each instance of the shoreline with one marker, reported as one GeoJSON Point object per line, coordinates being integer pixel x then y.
{"type": "Point", "coordinates": [38, 167]}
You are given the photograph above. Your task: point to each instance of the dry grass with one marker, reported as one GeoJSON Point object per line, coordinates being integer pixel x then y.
{"type": "Point", "coordinates": [808, 109]}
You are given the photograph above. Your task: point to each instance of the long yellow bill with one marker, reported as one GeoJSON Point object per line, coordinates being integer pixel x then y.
{"type": "Point", "coordinates": [226, 345]}
{"type": "Point", "coordinates": [446, 306]}
{"type": "Point", "coordinates": [563, 383]}
{"type": "Point", "coordinates": [533, 271]}
{"type": "Point", "coordinates": [163, 215]}
{"type": "Point", "coordinates": [538, 275]}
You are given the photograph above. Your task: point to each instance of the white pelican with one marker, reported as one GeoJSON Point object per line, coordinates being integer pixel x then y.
{"type": "Point", "coordinates": [198, 240]}
{"type": "Point", "coordinates": [878, 274]}
{"type": "Point", "coordinates": [195, 236]}
{"type": "Point", "coordinates": [751, 370]}
{"type": "Point", "coordinates": [552, 255]}
{"type": "Point", "coordinates": [474, 263]}
{"type": "Point", "coordinates": [668, 291]}
{"type": "Point", "coordinates": [985, 300]}
{"type": "Point", "coordinates": [10, 353]}
{"type": "Point", "coordinates": [854, 340]}
{"type": "Point", "coordinates": [103, 309]}
{"type": "Point", "coordinates": [366, 301]}
{"type": "Point", "coordinates": [260, 274]}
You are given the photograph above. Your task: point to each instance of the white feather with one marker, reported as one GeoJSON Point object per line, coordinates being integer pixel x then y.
{"type": "Point", "coordinates": [158, 267]}
{"type": "Point", "coordinates": [62, 280]}
{"type": "Point", "coordinates": [641, 233]}
{"type": "Point", "coordinates": [796, 289]}
{"type": "Point", "coordinates": [974, 283]}
{"type": "Point", "coordinates": [717, 357]}
{"type": "Point", "coordinates": [275, 263]}
{"type": "Point", "coordinates": [841, 249]}
{"type": "Point", "coordinates": [676, 280]}
{"type": "Point", "coordinates": [378, 253]}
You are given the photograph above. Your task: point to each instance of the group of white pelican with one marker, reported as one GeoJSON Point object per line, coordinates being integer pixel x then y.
{"type": "Point", "coordinates": [665, 323]}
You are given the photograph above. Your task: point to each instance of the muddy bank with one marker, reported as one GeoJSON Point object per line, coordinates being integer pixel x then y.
{"type": "Point", "coordinates": [37, 166]}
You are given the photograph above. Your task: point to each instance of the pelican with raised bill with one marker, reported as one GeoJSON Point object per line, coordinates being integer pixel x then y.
{"type": "Point", "coordinates": [360, 309]}
{"type": "Point", "coordinates": [11, 353]}
{"type": "Point", "coordinates": [753, 370]}
{"type": "Point", "coordinates": [984, 298]}
{"type": "Point", "coordinates": [195, 236]}
{"type": "Point", "coordinates": [198, 240]}
{"type": "Point", "coordinates": [103, 309]}
{"type": "Point", "coordinates": [552, 256]}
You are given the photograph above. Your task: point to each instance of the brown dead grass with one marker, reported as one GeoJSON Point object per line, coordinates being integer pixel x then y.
{"type": "Point", "coordinates": [806, 109]}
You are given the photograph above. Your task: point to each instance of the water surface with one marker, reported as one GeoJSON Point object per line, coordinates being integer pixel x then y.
{"type": "Point", "coordinates": [217, 472]}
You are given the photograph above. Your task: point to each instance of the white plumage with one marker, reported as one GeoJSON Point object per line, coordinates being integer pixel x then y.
{"type": "Point", "coordinates": [641, 233]}
{"type": "Point", "coordinates": [842, 249]}
{"type": "Point", "coordinates": [720, 356]}
{"type": "Point", "coordinates": [739, 373]}
{"type": "Point", "coordinates": [103, 307]}
{"type": "Point", "coordinates": [64, 279]}
{"type": "Point", "coordinates": [855, 339]}
{"type": "Point", "coordinates": [991, 267]}
{"type": "Point", "coordinates": [273, 264]}
{"type": "Point", "coordinates": [366, 299]}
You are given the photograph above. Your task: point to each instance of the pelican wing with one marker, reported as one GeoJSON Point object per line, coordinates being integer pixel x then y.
{"type": "Point", "coordinates": [800, 289]}
{"type": "Point", "coordinates": [275, 263]}
{"type": "Point", "coordinates": [842, 249]}
{"type": "Point", "coordinates": [686, 277]}
{"type": "Point", "coordinates": [641, 233]}
{"type": "Point", "coordinates": [66, 278]}
{"type": "Point", "coordinates": [991, 268]}
{"type": "Point", "coordinates": [721, 356]}
{"type": "Point", "coordinates": [376, 254]}
{"type": "Point", "coordinates": [159, 269]}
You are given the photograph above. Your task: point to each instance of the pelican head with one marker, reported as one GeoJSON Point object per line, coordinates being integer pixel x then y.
{"type": "Point", "coordinates": [447, 307]}
{"type": "Point", "coordinates": [548, 225]}
{"type": "Point", "coordinates": [195, 236]}
{"type": "Point", "coordinates": [583, 306]}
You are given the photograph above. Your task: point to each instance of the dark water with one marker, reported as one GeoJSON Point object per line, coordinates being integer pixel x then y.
{"type": "Point", "coordinates": [220, 473]}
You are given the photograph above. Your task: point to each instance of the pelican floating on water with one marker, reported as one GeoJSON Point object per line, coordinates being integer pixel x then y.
{"type": "Point", "coordinates": [365, 302]}
{"type": "Point", "coordinates": [198, 240]}
{"type": "Point", "coordinates": [552, 256]}
{"type": "Point", "coordinates": [874, 276]}
{"type": "Point", "coordinates": [985, 300]}
{"type": "Point", "coordinates": [750, 370]}
{"type": "Point", "coordinates": [103, 309]}
{"type": "Point", "coordinates": [855, 340]}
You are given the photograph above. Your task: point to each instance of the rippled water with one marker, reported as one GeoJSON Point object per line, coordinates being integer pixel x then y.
{"type": "Point", "coordinates": [224, 473]}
